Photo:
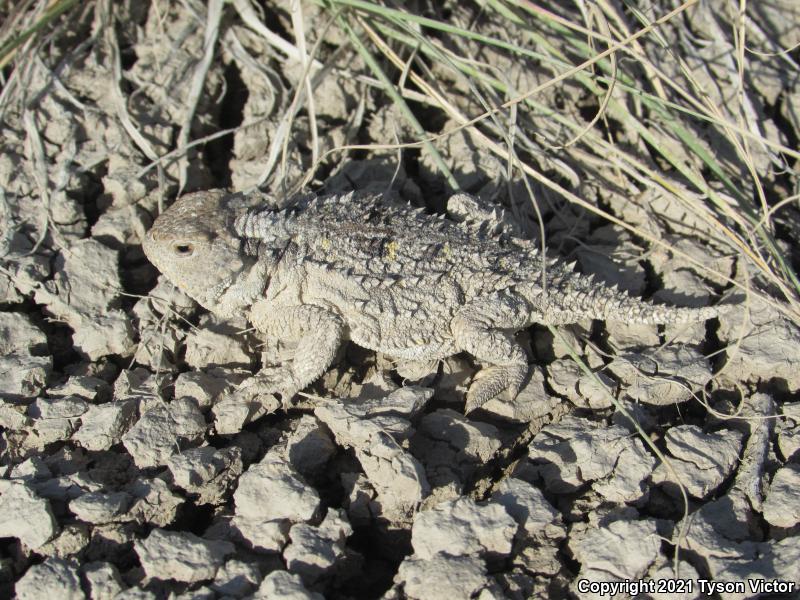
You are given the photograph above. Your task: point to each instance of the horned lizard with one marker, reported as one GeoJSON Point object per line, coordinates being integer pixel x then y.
{"type": "Point", "coordinates": [389, 277]}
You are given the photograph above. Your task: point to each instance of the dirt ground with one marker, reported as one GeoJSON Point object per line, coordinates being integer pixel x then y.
{"type": "Point", "coordinates": [665, 465]}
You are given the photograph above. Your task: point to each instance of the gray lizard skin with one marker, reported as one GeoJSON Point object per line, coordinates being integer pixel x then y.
{"type": "Point", "coordinates": [388, 277]}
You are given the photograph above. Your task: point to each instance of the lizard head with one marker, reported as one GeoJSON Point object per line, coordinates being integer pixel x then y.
{"type": "Point", "coordinates": [193, 244]}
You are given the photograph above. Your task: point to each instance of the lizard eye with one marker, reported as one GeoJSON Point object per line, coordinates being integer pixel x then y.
{"type": "Point", "coordinates": [183, 249]}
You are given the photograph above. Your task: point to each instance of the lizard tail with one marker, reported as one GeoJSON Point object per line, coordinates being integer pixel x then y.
{"type": "Point", "coordinates": [591, 300]}
{"type": "Point", "coordinates": [632, 310]}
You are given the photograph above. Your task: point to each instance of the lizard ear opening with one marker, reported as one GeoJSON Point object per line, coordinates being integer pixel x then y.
{"type": "Point", "coordinates": [183, 249]}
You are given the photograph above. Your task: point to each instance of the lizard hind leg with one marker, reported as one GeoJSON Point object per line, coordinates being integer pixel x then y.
{"type": "Point", "coordinates": [485, 329]}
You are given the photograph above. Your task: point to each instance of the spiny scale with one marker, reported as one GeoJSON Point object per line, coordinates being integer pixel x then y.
{"type": "Point", "coordinates": [357, 235]}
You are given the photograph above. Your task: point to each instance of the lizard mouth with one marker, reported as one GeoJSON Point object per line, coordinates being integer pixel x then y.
{"type": "Point", "coordinates": [215, 293]}
{"type": "Point", "coordinates": [231, 292]}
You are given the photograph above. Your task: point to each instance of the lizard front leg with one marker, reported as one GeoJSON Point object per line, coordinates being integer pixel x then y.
{"type": "Point", "coordinates": [318, 333]}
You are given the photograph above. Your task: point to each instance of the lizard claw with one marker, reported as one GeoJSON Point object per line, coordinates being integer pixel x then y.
{"type": "Point", "coordinates": [242, 406]}
{"type": "Point", "coordinates": [275, 380]}
{"type": "Point", "coordinates": [254, 398]}
{"type": "Point", "coordinates": [491, 381]}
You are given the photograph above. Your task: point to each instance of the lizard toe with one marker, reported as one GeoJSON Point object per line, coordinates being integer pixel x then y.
{"type": "Point", "coordinates": [492, 381]}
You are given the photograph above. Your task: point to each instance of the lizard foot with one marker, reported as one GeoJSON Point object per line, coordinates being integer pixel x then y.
{"type": "Point", "coordinates": [254, 398]}
{"type": "Point", "coordinates": [491, 381]}
{"type": "Point", "coordinates": [276, 379]}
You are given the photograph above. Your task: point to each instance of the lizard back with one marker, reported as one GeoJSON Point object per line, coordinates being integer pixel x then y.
{"type": "Point", "coordinates": [363, 236]}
